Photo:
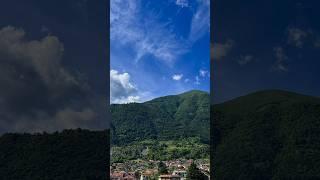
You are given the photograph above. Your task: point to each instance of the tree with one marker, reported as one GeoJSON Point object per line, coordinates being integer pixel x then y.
{"type": "Point", "coordinates": [162, 168]}
{"type": "Point", "coordinates": [137, 174]}
{"type": "Point", "coordinates": [194, 173]}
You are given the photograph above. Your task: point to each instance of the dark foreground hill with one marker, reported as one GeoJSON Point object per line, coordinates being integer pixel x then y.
{"type": "Point", "coordinates": [71, 154]}
{"type": "Point", "coordinates": [164, 118]}
{"type": "Point", "coordinates": [267, 135]}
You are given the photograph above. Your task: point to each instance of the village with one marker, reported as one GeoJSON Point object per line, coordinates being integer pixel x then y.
{"type": "Point", "coordinates": [149, 170]}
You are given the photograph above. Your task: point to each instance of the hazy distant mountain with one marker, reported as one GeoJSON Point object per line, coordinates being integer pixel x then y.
{"type": "Point", "coordinates": [169, 117]}
{"type": "Point", "coordinates": [267, 135]}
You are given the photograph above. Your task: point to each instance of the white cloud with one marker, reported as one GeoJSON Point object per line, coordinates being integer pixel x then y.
{"type": "Point", "coordinates": [220, 50]}
{"type": "Point", "coordinates": [125, 100]}
{"type": "Point", "coordinates": [281, 58]}
{"type": "Point", "coordinates": [40, 93]}
{"type": "Point", "coordinates": [122, 90]}
{"type": "Point", "coordinates": [186, 80]}
{"type": "Point", "coordinates": [143, 32]}
{"type": "Point", "coordinates": [197, 80]}
{"type": "Point", "coordinates": [200, 23]}
{"type": "Point", "coordinates": [204, 73]}
{"type": "Point", "coordinates": [177, 77]}
{"type": "Point", "coordinates": [296, 36]}
{"type": "Point", "coordinates": [65, 118]}
{"type": "Point", "coordinates": [182, 3]}
{"type": "Point", "coordinates": [74, 118]}
{"type": "Point", "coordinates": [44, 56]}
{"type": "Point", "coordinates": [245, 59]}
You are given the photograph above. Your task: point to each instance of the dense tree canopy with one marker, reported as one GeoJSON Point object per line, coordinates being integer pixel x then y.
{"type": "Point", "coordinates": [169, 127]}
{"type": "Point", "coordinates": [164, 118]}
{"type": "Point", "coordinates": [70, 154]}
{"type": "Point", "coordinates": [194, 173]}
{"type": "Point", "coordinates": [162, 168]}
{"type": "Point", "coordinates": [267, 135]}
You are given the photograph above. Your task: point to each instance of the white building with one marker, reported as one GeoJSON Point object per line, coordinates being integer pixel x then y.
{"type": "Point", "coordinates": [181, 173]}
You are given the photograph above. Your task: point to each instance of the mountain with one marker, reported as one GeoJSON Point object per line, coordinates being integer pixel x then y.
{"type": "Point", "coordinates": [267, 135]}
{"type": "Point", "coordinates": [164, 118]}
{"type": "Point", "coordinates": [70, 154]}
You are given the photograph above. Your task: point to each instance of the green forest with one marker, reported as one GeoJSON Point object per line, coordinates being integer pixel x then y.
{"type": "Point", "coordinates": [164, 128]}
{"type": "Point", "coordinates": [186, 148]}
{"type": "Point", "coordinates": [267, 135]}
{"type": "Point", "coordinates": [70, 154]}
{"type": "Point", "coordinates": [264, 135]}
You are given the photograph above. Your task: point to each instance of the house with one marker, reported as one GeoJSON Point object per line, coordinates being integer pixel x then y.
{"type": "Point", "coordinates": [169, 177]}
{"type": "Point", "coordinates": [121, 176]}
{"type": "Point", "coordinates": [129, 177]}
{"type": "Point", "coordinates": [181, 173]}
{"type": "Point", "coordinates": [117, 176]}
{"type": "Point", "coordinates": [146, 175]}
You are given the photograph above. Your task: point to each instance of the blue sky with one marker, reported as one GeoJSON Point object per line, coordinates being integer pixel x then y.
{"type": "Point", "coordinates": [158, 48]}
{"type": "Point", "coordinates": [259, 45]}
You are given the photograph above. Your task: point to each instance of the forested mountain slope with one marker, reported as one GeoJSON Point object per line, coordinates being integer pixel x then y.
{"type": "Point", "coordinates": [164, 118]}
{"type": "Point", "coordinates": [267, 135]}
{"type": "Point", "coordinates": [70, 154]}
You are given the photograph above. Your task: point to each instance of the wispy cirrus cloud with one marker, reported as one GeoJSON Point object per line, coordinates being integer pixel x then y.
{"type": "Point", "coordinates": [200, 23]}
{"type": "Point", "coordinates": [182, 3]}
{"type": "Point", "coordinates": [147, 39]}
{"type": "Point", "coordinates": [281, 60]}
{"type": "Point", "coordinates": [144, 33]}
{"type": "Point", "coordinates": [297, 36]}
{"type": "Point", "coordinates": [245, 59]}
{"type": "Point", "coordinates": [204, 73]}
{"type": "Point", "coordinates": [197, 80]}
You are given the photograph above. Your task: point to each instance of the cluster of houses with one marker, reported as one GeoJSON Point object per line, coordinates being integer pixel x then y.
{"type": "Point", "coordinates": [175, 175]}
{"type": "Point", "coordinates": [146, 176]}
{"type": "Point", "coordinates": [146, 170]}
{"type": "Point", "coordinates": [123, 176]}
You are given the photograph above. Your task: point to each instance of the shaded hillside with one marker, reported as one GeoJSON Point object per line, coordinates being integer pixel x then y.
{"type": "Point", "coordinates": [71, 154]}
{"type": "Point", "coordinates": [267, 135]}
{"type": "Point", "coordinates": [164, 118]}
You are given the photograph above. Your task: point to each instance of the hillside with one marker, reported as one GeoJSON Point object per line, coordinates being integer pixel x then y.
{"type": "Point", "coordinates": [70, 154]}
{"type": "Point", "coordinates": [165, 118]}
{"type": "Point", "coordinates": [267, 135]}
